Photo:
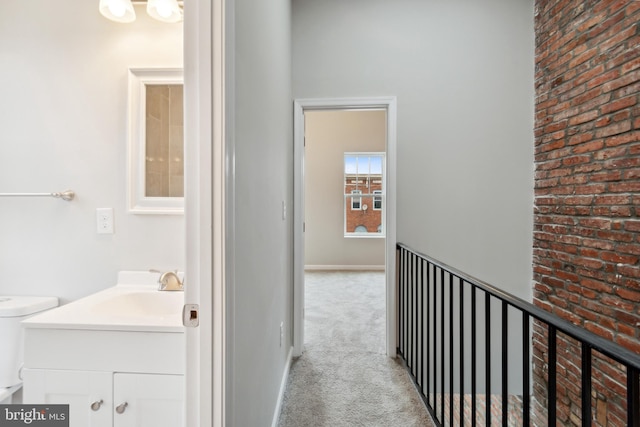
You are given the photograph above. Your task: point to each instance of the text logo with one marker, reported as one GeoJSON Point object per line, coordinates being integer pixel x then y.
{"type": "Point", "coordinates": [34, 415]}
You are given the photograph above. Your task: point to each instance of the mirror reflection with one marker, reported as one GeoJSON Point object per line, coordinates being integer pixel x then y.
{"type": "Point", "coordinates": [156, 141]}
{"type": "Point", "coordinates": [164, 145]}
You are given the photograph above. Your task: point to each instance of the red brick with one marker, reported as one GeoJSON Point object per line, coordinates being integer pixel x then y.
{"type": "Point", "coordinates": [619, 258]}
{"type": "Point", "coordinates": [614, 129]}
{"type": "Point", "coordinates": [612, 200]}
{"type": "Point", "coordinates": [632, 7]}
{"type": "Point", "coordinates": [621, 115]}
{"type": "Point", "coordinates": [629, 271]}
{"type": "Point", "coordinates": [623, 309]}
{"type": "Point", "coordinates": [628, 294]}
{"type": "Point", "coordinates": [596, 285]}
{"type": "Point", "coordinates": [590, 189]}
{"type": "Point", "coordinates": [566, 315]}
{"type": "Point", "coordinates": [589, 167]}
{"type": "Point", "coordinates": [583, 57]}
{"type": "Point", "coordinates": [596, 307]}
{"type": "Point", "coordinates": [574, 160]}
{"type": "Point", "coordinates": [623, 139]}
{"type": "Point", "coordinates": [625, 187]}
{"type": "Point", "coordinates": [617, 38]}
{"type": "Point", "coordinates": [592, 264]}
{"type": "Point", "coordinates": [615, 236]}
{"type": "Point", "coordinates": [629, 343]}
{"type": "Point", "coordinates": [588, 147]}
{"type": "Point", "coordinates": [625, 162]}
{"type": "Point", "coordinates": [610, 153]}
{"type": "Point", "coordinates": [618, 104]}
{"type": "Point", "coordinates": [578, 200]}
{"type": "Point", "coordinates": [631, 65]}
{"type": "Point", "coordinates": [603, 78]}
{"type": "Point", "coordinates": [615, 175]}
{"type": "Point", "coordinates": [625, 80]}
{"type": "Point", "coordinates": [631, 174]}
{"type": "Point", "coordinates": [598, 330]}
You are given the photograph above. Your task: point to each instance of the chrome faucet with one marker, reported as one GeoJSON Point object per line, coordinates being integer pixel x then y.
{"type": "Point", "coordinates": [169, 281]}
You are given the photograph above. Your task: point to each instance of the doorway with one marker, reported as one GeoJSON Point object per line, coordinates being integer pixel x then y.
{"type": "Point", "coordinates": [388, 105]}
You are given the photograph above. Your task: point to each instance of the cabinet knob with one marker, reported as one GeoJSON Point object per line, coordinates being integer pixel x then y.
{"type": "Point", "coordinates": [96, 405]}
{"type": "Point", "coordinates": [121, 407]}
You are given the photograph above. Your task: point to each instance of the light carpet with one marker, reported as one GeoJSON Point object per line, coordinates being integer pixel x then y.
{"type": "Point", "coordinates": [344, 377]}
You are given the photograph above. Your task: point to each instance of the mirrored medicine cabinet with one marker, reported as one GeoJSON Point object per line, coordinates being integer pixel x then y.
{"type": "Point", "coordinates": [156, 141]}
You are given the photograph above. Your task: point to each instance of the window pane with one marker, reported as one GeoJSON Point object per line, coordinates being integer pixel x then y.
{"type": "Point", "coordinates": [364, 194]}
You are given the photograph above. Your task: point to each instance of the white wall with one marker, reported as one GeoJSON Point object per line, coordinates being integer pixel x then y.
{"type": "Point", "coordinates": [63, 113]}
{"type": "Point", "coordinates": [328, 135]}
{"type": "Point", "coordinates": [262, 109]}
{"type": "Point", "coordinates": [462, 72]}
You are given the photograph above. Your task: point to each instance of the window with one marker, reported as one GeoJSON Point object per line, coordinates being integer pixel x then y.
{"type": "Point", "coordinates": [377, 200]}
{"type": "Point", "coordinates": [364, 193]}
{"type": "Point", "coordinates": [356, 202]}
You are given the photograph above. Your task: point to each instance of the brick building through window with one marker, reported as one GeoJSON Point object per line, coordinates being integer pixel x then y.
{"type": "Point", "coordinates": [364, 194]}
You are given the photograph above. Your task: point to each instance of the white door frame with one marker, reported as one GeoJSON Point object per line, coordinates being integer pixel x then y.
{"type": "Point", "coordinates": [300, 106]}
{"type": "Point", "coordinates": [206, 180]}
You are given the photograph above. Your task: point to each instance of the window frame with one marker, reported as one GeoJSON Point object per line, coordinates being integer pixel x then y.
{"type": "Point", "coordinates": [362, 181]}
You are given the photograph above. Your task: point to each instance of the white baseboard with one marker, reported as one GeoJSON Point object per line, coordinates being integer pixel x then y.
{"type": "Point", "coordinates": [344, 267]}
{"type": "Point", "coordinates": [283, 387]}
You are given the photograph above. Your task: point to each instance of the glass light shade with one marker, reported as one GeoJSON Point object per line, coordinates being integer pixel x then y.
{"type": "Point", "coordinates": [118, 10]}
{"type": "Point", "coordinates": [164, 10]}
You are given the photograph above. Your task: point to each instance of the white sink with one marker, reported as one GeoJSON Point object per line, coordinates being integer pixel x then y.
{"type": "Point", "coordinates": [130, 327]}
{"type": "Point", "coordinates": [141, 303]}
{"type": "Point", "coordinates": [125, 307]}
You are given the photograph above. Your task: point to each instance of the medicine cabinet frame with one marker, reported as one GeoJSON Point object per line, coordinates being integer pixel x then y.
{"type": "Point", "coordinates": [138, 201]}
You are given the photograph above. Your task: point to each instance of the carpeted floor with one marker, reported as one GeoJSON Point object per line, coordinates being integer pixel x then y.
{"type": "Point", "coordinates": [344, 377]}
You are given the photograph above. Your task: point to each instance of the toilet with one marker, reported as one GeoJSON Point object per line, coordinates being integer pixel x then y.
{"type": "Point", "coordinates": [13, 310]}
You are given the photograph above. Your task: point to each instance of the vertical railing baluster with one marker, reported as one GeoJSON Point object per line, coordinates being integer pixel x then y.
{"type": "Point", "coordinates": [551, 382]}
{"type": "Point", "coordinates": [450, 348]}
{"type": "Point", "coordinates": [505, 364]}
{"type": "Point", "coordinates": [474, 343]}
{"type": "Point", "coordinates": [461, 351]}
{"type": "Point", "coordinates": [586, 385]}
{"type": "Point", "coordinates": [487, 356]}
{"type": "Point", "coordinates": [414, 321]}
{"type": "Point", "coordinates": [410, 350]}
{"type": "Point", "coordinates": [526, 382]}
{"type": "Point", "coordinates": [633, 397]}
{"type": "Point", "coordinates": [419, 329]}
{"type": "Point", "coordinates": [435, 339]}
{"type": "Point", "coordinates": [404, 308]}
{"type": "Point", "coordinates": [423, 334]}
{"type": "Point", "coordinates": [400, 295]}
{"type": "Point", "coordinates": [429, 376]}
{"type": "Point", "coordinates": [442, 343]}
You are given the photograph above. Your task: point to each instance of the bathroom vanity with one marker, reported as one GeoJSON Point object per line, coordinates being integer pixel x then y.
{"type": "Point", "coordinates": [116, 357]}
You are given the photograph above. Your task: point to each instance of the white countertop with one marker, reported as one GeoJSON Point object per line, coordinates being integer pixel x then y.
{"type": "Point", "coordinates": [134, 304]}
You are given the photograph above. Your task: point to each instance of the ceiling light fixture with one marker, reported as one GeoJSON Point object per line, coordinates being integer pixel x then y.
{"type": "Point", "coordinates": [164, 10]}
{"type": "Point", "coordinates": [118, 10]}
{"type": "Point", "coordinates": [168, 11]}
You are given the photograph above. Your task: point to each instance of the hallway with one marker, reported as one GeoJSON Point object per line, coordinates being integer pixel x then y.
{"type": "Point", "coordinates": [344, 377]}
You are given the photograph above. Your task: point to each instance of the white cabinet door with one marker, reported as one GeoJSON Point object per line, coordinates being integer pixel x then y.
{"type": "Point", "coordinates": [88, 394]}
{"type": "Point", "coordinates": [148, 400]}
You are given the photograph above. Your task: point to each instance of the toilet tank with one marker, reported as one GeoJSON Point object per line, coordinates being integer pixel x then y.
{"type": "Point", "coordinates": [13, 310]}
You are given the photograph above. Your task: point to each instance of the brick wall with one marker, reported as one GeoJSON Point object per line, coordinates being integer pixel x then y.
{"type": "Point", "coordinates": [371, 218]}
{"type": "Point", "coordinates": [587, 192]}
